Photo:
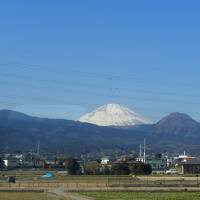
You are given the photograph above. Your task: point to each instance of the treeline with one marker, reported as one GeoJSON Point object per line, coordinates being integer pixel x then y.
{"type": "Point", "coordinates": [76, 167]}
{"type": "Point", "coordinates": [73, 167]}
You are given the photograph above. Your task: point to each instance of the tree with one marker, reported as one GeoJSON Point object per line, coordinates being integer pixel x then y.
{"type": "Point", "coordinates": [120, 169]}
{"type": "Point", "coordinates": [147, 169]}
{"type": "Point", "coordinates": [92, 168]}
{"type": "Point", "coordinates": [72, 166]}
{"type": "Point", "coordinates": [140, 168]}
{"type": "Point", "coordinates": [158, 156]}
{"type": "Point", "coordinates": [2, 164]}
{"type": "Point", "coordinates": [105, 170]}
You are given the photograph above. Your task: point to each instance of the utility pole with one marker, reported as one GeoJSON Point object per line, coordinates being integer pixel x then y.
{"type": "Point", "coordinates": [140, 151]}
{"type": "Point", "coordinates": [38, 147]}
{"type": "Point", "coordinates": [32, 156]}
{"type": "Point", "coordinates": [144, 159]}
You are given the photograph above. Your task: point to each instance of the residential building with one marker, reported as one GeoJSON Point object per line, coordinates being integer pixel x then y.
{"type": "Point", "coordinates": [190, 167]}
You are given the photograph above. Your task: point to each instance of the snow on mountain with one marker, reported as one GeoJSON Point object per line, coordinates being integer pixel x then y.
{"type": "Point", "coordinates": [113, 115]}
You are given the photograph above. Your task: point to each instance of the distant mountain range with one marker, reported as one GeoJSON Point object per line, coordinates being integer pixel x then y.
{"type": "Point", "coordinates": [174, 133]}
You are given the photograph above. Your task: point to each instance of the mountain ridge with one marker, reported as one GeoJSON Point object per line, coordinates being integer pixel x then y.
{"type": "Point", "coordinates": [76, 138]}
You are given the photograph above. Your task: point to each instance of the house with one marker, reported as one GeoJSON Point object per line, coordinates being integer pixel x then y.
{"type": "Point", "coordinates": [105, 161]}
{"type": "Point", "coordinates": [183, 158]}
{"type": "Point", "coordinates": [140, 159]}
{"type": "Point", "coordinates": [12, 163]}
{"type": "Point", "coordinates": [189, 167]}
{"type": "Point", "coordinates": [158, 164]}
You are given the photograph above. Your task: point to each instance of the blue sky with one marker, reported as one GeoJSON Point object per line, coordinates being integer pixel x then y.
{"type": "Point", "coordinates": [65, 58]}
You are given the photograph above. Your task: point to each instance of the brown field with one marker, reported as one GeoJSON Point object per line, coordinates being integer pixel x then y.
{"type": "Point", "coordinates": [27, 196]}
{"type": "Point", "coordinates": [32, 179]}
{"type": "Point", "coordinates": [142, 196]}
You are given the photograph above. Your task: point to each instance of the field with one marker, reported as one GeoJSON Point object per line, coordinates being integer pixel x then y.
{"type": "Point", "coordinates": [142, 195]}
{"type": "Point", "coordinates": [160, 187]}
{"type": "Point", "coordinates": [32, 179]}
{"type": "Point", "coordinates": [27, 196]}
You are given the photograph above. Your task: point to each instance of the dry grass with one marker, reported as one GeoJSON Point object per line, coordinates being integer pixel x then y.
{"type": "Point", "coordinates": [27, 196]}
{"type": "Point", "coordinates": [142, 195]}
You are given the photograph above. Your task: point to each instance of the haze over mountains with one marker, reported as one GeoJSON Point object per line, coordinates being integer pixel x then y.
{"type": "Point", "coordinates": [174, 133]}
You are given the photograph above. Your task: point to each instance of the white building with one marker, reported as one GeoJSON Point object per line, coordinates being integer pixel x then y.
{"type": "Point", "coordinates": [12, 163]}
{"type": "Point", "coordinates": [105, 161]}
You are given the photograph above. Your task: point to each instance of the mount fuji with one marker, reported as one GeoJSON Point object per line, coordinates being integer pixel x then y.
{"type": "Point", "coordinates": [113, 115]}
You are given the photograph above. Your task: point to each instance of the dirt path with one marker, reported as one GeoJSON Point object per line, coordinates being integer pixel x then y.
{"type": "Point", "coordinates": [68, 196]}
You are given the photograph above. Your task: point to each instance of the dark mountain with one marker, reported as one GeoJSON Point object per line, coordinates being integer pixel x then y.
{"type": "Point", "coordinates": [178, 124]}
{"type": "Point", "coordinates": [8, 114]}
{"type": "Point", "coordinates": [21, 132]}
{"type": "Point", "coordinates": [18, 131]}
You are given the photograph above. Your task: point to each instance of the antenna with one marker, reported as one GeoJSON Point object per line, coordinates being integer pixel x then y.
{"type": "Point", "coordinates": [140, 151]}
{"type": "Point", "coordinates": [31, 156]}
{"type": "Point", "coordinates": [144, 159]}
{"type": "Point", "coordinates": [38, 147]}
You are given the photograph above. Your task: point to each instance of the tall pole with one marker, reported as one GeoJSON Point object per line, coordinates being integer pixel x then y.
{"type": "Point", "coordinates": [38, 147]}
{"type": "Point", "coordinates": [140, 151]}
{"type": "Point", "coordinates": [144, 159]}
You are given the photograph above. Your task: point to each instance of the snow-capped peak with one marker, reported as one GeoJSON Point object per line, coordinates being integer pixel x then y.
{"type": "Point", "coordinates": [113, 115]}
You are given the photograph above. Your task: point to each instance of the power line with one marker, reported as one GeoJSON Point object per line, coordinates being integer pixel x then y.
{"type": "Point", "coordinates": [77, 92]}
{"type": "Point", "coordinates": [90, 93]}
{"type": "Point", "coordinates": [95, 86]}
{"type": "Point", "coordinates": [114, 89]}
{"type": "Point", "coordinates": [11, 104]}
{"type": "Point", "coordinates": [112, 95]}
{"type": "Point", "coordinates": [94, 75]}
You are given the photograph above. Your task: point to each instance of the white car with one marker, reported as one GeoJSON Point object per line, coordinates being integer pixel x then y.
{"type": "Point", "coordinates": [171, 171]}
